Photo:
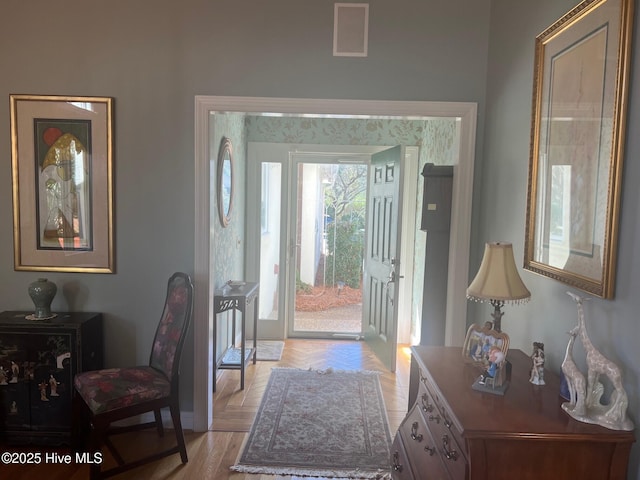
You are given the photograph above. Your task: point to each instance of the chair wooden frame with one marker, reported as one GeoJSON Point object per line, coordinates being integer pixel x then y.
{"type": "Point", "coordinates": [98, 426]}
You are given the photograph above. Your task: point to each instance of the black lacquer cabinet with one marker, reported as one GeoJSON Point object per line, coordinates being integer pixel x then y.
{"type": "Point", "coordinates": [38, 360]}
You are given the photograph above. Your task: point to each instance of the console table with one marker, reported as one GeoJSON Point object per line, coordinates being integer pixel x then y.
{"type": "Point", "coordinates": [238, 299]}
{"type": "Point", "coordinates": [39, 359]}
{"type": "Point", "coordinates": [454, 432]}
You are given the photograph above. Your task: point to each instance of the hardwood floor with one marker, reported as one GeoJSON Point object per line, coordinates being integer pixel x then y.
{"type": "Point", "coordinates": [212, 453]}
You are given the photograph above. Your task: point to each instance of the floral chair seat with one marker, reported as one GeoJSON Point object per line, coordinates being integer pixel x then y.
{"type": "Point", "coordinates": [110, 389]}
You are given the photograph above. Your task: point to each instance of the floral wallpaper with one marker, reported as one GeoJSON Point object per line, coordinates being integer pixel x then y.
{"type": "Point", "coordinates": [437, 139]}
{"type": "Point", "coordinates": [229, 242]}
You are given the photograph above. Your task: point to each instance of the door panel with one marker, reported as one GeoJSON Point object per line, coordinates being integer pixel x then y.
{"type": "Point", "coordinates": [270, 240]}
{"type": "Point", "coordinates": [380, 312]}
{"type": "Point", "coordinates": [266, 252]}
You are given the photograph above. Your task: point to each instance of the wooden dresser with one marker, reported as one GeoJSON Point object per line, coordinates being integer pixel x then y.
{"type": "Point", "coordinates": [453, 432]}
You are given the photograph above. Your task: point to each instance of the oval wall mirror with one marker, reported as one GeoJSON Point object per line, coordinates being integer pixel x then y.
{"type": "Point", "coordinates": [225, 181]}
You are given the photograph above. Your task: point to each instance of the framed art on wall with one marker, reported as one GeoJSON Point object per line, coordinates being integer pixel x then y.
{"type": "Point", "coordinates": [62, 163]}
{"type": "Point", "coordinates": [577, 138]}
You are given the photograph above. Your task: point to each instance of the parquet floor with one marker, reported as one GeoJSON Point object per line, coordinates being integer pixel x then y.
{"type": "Point", "coordinates": [212, 453]}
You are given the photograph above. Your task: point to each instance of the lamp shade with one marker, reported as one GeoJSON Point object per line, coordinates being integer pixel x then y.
{"type": "Point", "coordinates": [498, 278]}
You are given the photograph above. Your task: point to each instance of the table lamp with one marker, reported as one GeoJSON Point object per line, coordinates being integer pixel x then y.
{"type": "Point", "coordinates": [498, 281]}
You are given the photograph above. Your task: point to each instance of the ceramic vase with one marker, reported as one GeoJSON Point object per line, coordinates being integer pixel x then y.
{"type": "Point", "coordinates": [42, 292]}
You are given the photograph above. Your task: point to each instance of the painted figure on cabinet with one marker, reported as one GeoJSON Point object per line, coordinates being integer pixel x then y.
{"type": "Point", "coordinates": [43, 391]}
{"type": "Point", "coordinates": [15, 372]}
{"type": "Point", "coordinates": [53, 383]}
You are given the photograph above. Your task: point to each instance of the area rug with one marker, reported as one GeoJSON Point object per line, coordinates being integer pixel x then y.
{"type": "Point", "coordinates": [266, 350]}
{"type": "Point", "coordinates": [269, 350]}
{"type": "Point", "coordinates": [319, 424]}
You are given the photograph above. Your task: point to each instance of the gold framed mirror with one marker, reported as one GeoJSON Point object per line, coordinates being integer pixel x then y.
{"type": "Point", "coordinates": [225, 181]}
{"type": "Point", "coordinates": [577, 139]}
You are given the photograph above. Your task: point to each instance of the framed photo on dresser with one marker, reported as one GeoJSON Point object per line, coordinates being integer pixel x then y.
{"type": "Point", "coordinates": [478, 343]}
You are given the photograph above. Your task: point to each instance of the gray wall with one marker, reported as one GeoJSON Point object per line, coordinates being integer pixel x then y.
{"type": "Point", "coordinates": [612, 324]}
{"type": "Point", "coordinates": [153, 57]}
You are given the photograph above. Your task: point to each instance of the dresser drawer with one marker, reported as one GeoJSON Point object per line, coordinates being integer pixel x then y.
{"type": "Point", "coordinates": [421, 447]}
{"type": "Point", "coordinates": [436, 411]}
{"type": "Point", "coordinates": [425, 400]}
{"type": "Point", "coordinates": [452, 455]}
{"type": "Point", "coordinates": [446, 435]}
{"type": "Point", "coordinates": [400, 468]}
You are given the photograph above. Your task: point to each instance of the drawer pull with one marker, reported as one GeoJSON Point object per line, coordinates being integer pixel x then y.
{"type": "Point", "coordinates": [435, 418]}
{"type": "Point", "coordinates": [447, 422]}
{"type": "Point", "coordinates": [449, 454]}
{"type": "Point", "coordinates": [397, 467]}
{"type": "Point", "coordinates": [431, 450]}
{"type": "Point", "coordinates": [426, 406]}
{"type": "Point", "coordinates": [414, 432]}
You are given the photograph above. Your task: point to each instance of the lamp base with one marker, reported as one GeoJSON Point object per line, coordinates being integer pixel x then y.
{"type": "Point", "coordinates": [497, 314]}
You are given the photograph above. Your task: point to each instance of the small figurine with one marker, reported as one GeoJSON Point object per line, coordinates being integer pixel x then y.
{"type": "Point", "coordinates": [13, 409]}
{"type": "Point", "coordinates": [575, 380]}
{"type": "Point", "coordinates": [3, 376]}
{"type": "Point", "coordinates": [53, 383]}
{"type": "Point", "coordinates": [614, 414]}
{"type": "Point", "coordinates": [43, 391]}
{"type": "Point", "coordinates": [537, 369]}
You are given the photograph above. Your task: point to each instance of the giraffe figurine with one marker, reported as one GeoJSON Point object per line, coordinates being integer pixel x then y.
{"type": "Point", "coordinates": [576, 406]}
{"type": "Point", "coordinates": [613, 415]}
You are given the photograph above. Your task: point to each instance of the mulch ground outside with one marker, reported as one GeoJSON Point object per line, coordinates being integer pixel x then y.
{"type": "Point", "coordinates": [325, 297]}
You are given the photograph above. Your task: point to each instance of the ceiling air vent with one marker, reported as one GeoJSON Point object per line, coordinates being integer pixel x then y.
{"type": "Point", "coordinates": [350, 29]}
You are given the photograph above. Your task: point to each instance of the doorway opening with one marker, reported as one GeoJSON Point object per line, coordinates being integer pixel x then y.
{"type": "Point", "coordinates": [321, 215]}
{"type": "Point", "coordinates": [305, 237]}
{"type": "Point", "coordinates": [206, 107]}
{"type": "Point", "coordinates": [330, 213]}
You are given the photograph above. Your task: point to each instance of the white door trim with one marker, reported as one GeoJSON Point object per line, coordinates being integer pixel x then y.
{"type": "Point", "coordinates": [204, 261]}
{"type": "Point", "coordinates": [407, 248]}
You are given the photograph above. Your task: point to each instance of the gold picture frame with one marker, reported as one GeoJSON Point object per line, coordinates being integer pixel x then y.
{"type": "Point", "coordinates": [479, 340]}
{"type": "Point", "coordinates": [62, 174]}
{"type": "Point", "coordinates": [580, 89]}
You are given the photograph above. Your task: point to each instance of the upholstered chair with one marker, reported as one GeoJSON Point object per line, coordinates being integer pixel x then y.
{"type": "Point", "coordinates": [109, 395]}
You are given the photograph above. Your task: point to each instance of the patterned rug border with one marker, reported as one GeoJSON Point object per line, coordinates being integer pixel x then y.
{"type": "Point", "coordinates": [342, 473]}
